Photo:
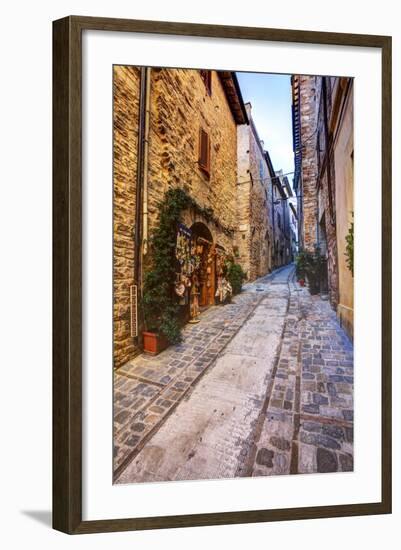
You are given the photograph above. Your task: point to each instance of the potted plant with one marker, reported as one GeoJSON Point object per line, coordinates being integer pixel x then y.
{"type": "Point", "coordinates": [300, 267]}
{"type": "Point", "coordinates": [315, 274]}
{"type": "Point", "coordinates": [309, 265]}
{"type": "Point", "coordinates": [161, 315]}
{"type": "Point", "coordinates": [161, 311]}
{"type": "Point", "coordinates": [313, 280]}
{"type": "Point", "coordinates": [153, 342]}
{"type": "Point", "coordinates": [235, 275]}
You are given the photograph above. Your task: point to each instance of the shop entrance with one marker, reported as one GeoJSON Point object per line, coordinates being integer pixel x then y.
{"type": "Point", "coordinates": [200, 271]}
{"type": "Point", "coordinates": [202, 241]}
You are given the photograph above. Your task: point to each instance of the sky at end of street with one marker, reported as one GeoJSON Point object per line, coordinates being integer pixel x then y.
{"type": "Point", "coordinates": [270, 97]}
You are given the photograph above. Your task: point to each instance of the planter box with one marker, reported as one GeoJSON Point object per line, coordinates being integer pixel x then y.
{"type": "Point", "coordinates": [154, 343]}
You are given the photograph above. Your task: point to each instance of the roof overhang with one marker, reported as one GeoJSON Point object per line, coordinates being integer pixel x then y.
{"type": "Point", "coordinates": [232, 90]}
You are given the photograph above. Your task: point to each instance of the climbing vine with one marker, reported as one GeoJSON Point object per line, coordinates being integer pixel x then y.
{"type": "Point", "coordinates": [349, 248]}
{"type": "Point", "coordinates": [159, 302]}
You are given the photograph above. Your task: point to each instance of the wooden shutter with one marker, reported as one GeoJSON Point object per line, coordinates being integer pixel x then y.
{"type": "Point", "coordinates": [204, 151]}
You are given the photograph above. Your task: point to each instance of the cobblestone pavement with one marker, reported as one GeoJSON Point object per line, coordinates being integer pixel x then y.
{"type": "Point", "coordinates": [148, 388]}
{"type": "Point", "coordinates": [275, 398]}
{"type": "Point", "coordinates": [308, 423]}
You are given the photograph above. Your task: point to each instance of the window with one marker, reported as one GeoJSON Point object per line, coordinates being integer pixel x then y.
{"type": "Point", "coordinates": [207, 80]}
{"type": "Point", "coordinates": [204, 151]}
{"type": "Point", "coordinates": [279, 220]}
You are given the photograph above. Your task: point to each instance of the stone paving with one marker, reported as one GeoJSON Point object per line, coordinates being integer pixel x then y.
{"type": "Point", "coordinates": [262, 386]}
{"type": "Point", "coordinates": [308, 424]}
{"type": "Point", "coordinates": [148, 388]}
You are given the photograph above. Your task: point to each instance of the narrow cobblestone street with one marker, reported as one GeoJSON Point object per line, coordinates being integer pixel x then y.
{"type": "Point", "coordinates": [261, 386]}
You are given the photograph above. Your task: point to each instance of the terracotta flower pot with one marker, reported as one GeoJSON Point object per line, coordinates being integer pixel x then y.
{"type": "Point", "coordinates": [301, 282]}
{"type": "Point", "coordinates": [154, 343]}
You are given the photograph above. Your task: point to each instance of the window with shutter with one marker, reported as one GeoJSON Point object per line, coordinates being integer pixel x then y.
{"type": "Point", "coordinates": [204, 151]}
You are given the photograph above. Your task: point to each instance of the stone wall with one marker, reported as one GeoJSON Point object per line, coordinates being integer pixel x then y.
{"type": "Point", "coordinates": [326, 184]}
{"type": "Point", "coordinates": [243, 199]}
{"type": "Point", "coordinates": [309, 98]}
{"type": "Point", "coordinates": [282, 236]}
{"type": "Point", "coordinates": [125, 128]}
{"type": "Point", "coordinates": [327, 239]}
{"type": "Point", "coordinates": [253, 203]}
{"type": "Point", "coordinates": [180, 107]}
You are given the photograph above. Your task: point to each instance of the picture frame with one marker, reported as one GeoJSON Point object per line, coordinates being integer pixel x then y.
{"type": "Point", "coordinates": [67, 274]}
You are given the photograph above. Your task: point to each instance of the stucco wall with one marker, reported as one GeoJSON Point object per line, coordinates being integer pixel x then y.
{"type": "Point", "coordinates": [343, 152]}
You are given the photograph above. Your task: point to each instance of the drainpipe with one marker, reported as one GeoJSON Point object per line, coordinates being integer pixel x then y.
{"type": "Point", "coordinates": [141, 182]}
{"type": "Point", "coordinates": [139, 176]}
{"type": "Point", "coordinates": [145, 164]}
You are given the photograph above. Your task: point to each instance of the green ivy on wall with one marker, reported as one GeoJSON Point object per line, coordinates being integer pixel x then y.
{"type": "Point", "coordinates": [349, 249]}
{"type": "Point", "coordinates": [159, 302]}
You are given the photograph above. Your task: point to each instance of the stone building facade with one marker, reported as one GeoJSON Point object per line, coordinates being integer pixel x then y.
{"type": "Point", "coordinates": [254, 203]}
{"type": "Point", "coordinates": [191, 120]}
{"type": "Point", "coordinates": [323, 182]}
{"type": "Point", "coordinates": [305, 100]}
{"type": "Point", "coordinates": [280, 230]}
{"type": "Point", "coordinates": [293, 228]}
{"type": "Point", "coordinates": [125, 150]}
{"type": "Point", "coordinates": [283, 229]}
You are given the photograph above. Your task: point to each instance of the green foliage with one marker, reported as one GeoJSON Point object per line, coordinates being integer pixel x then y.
{"type": "Point", "coordinates": [309, 265]}
{"type": "Point", "coordinates": [349, 249]}
{"type": "Point", "coordinates": [301, 264]}
{"type": "Point", "coordinates": [160, 307]}
{"type": "Point", "coordinates": [236, 276]}
{"type": "Point", "coordinates": [160, 303]}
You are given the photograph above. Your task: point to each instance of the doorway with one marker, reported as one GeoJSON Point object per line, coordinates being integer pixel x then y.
{"type": "Point", "coordinates": [202, 241]}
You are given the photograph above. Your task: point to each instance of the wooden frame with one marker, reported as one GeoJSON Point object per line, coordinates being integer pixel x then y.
{"type": "Point", "coordinates": [67, 312]}
{"type": "Point", "coordinates": [204, 151]}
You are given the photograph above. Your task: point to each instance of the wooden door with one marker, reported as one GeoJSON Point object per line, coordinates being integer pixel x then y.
{"type": "Point", "coordinates": [211, 279]}
{"type": "Point", "coordinates": [203, 277]}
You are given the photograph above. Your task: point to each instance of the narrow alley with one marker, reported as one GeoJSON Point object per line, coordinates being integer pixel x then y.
{"type": "Point", "coordinates": [261, 386]}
